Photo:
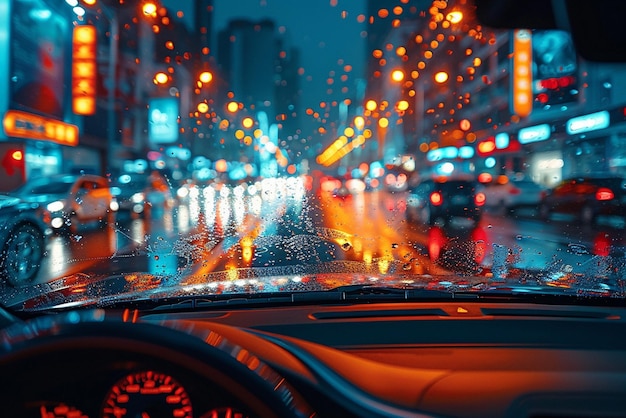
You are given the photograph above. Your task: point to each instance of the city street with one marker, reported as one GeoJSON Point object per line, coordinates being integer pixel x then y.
{"type": "Point", "coordinates": [223, 233]}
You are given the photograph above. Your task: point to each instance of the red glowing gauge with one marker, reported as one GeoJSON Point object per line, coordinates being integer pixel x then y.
{"type": "Point", "coordinates": [143, 394]}
{"type": "Point", "coordinates": [224, 412]}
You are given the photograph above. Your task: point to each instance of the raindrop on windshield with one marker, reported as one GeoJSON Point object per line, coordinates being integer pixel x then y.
{"type": "Point", "coordinates": [346, 246]}
{"type": "Point", "coordinates": [577, 249]}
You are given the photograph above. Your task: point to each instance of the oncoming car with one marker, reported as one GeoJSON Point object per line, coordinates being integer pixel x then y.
{"type": "Point", "coordinates": [328, 252]}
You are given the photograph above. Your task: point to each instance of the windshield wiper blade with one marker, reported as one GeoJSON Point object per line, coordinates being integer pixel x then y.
{"type": "Point", "coordinates": [350, 293]}
{"type": "Point", "coordinates": [368, 291]}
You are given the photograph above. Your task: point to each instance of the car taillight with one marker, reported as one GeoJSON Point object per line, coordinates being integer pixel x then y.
{"type": "Point", "coordinates": [436, 198]}
{"type": "Point", "coordinates": [514, 191]}
{"type": "Point", "coordinates": [479, 199]}
{"type": "Point", "coordinates": [604, 193]}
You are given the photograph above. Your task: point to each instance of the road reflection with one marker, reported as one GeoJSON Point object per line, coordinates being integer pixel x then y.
{"type": "Point", "coordinates": [221, 228]}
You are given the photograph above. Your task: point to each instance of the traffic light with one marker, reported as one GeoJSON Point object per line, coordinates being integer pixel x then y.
{"type": "Point", "coordinates": [13, 162]}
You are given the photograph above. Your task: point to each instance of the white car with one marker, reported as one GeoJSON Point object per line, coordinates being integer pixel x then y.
{"type": "Point", "coordinates": [513, 195]}
{"type": "Point", "coordinates": [71, 200]}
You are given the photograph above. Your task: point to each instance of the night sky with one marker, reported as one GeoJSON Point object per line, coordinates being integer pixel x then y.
{"type": "Point", "coordinates": [318, 29]}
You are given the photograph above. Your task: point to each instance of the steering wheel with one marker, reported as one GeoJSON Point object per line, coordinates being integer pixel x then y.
{"type": "Point", "coordinates": [82, 335]}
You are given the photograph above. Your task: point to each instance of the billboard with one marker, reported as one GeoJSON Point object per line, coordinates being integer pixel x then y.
{"type": "Point", "coordinates": [555, 68]}
{"type": "Point", "coordinates": [38, 54]}
{"type": "Point", "coordinates": [163, 120]}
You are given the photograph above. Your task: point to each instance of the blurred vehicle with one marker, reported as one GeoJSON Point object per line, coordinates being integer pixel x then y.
{"type": "Point", "coordinates": [71, 200]}
{"type": "Point", "coordinates": [355, 186]}
{"type": "Point", "coordinates": [329, 184]}
{"type": "Point", "coordinates": [586, 198]}
{"type": "Point", "coordinates": [509, 194]}
{"type": "Point", "coordinates": [138, 193]}
{"type": "Point", "coordinates": [396, 182]}
{"type": "Point", "coordinates": [22, 240]}
{"type": "Point", "coordinates": [342, 192]}
{"type": "Point", "coordinates": [440, 200]}
{"type": "Point", "coordinates": [461, 249]}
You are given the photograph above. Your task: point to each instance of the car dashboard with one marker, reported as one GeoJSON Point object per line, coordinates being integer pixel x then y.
{"type": "Point", "coordinates": [439, 359]}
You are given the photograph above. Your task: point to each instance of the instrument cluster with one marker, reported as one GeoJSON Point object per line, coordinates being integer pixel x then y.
{"type": "Point", "coordinates": [140, 393]}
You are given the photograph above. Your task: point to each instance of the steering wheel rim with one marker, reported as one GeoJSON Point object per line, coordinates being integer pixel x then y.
{"type": "Point", "coordinates": [213, 357]}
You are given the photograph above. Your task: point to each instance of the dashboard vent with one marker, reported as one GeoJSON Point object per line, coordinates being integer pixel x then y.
{"type": "Point", "coordinates": [388, 313]}
{"type": "Point", "coordinates": [552, 313]}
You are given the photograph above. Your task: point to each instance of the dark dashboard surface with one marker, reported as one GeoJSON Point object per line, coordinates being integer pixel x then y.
{"type": "Point", "coordinates": [439, 359]}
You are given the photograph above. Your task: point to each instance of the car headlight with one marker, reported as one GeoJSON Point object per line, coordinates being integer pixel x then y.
{"type": "Point", "coordinates": [137, 198]}
{"type": "Point", "coordinates": [114, 206]}
{"type": "Point", "coordinates": [57, 223]}
{"type": "Point", "coordinates": [56, 206]}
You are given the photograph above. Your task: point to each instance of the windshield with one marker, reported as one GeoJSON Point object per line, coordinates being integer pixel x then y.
{"type": "Point", "coordinates": [284, 146]}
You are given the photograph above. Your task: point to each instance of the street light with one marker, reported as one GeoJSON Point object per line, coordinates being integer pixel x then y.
{"type": "Point", "coordinates": [247, 122]}
{"type": "Point", "coordinates": [455, 16]}
{"type": "Point", "coordinates": [161, 78]}
{"type": "Point", "coordinates": [441, 77]}
{"type": "Point", "coordinates": [397, 75]}
{"type": "Point", "coordinates": [206, 77]}
{"type": "Point", "coordinates": [371, 105]}
{"type": "Point", "coordinates": [232, 107]}
{"type": "Point", "coordinates": [149, 9]}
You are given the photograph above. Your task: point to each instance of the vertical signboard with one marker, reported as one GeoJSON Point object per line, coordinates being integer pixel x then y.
{"type": "Point", "coordinates": [522, 96]}
{"type": "Point", "coordinates": [84, 70]}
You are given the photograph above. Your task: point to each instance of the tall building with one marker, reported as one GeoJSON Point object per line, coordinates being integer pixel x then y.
{"type": "Point", "coordinates": [203, 18]}
{"type": "Point", "coordinates": [260, 72]}
{"type": "Point", "coordinates": [391, 26]}
{"type": "Point", "coordinates": [247, 56]}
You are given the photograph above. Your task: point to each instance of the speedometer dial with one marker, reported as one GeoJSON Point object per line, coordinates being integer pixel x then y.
{"type": "Point", "coordinates": [147, 394]}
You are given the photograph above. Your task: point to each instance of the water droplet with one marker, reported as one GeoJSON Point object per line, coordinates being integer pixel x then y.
{"type": "Point", "coordinates": [394, 245]}
{"type": "Point", "coordinates": [518, 237]}
{"type": "Point", "coordinates": [577, 249]}
{"type": "Point", "coordinates": [489, 226]}
{"type": "Point", "coordinates": [346, 246]}
{"type": "Point", "coordinates": [156, 257]}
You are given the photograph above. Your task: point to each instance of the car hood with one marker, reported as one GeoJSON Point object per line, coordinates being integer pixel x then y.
{"type": "Point", "coordinates": [331, 281]}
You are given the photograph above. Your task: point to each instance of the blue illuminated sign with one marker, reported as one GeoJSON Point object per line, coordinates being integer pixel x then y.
{"type": "Point", "coordinates": [502, 140]}
{"type": "Point", "coordinates": [442, 153]}
{"type": "Point", "coordinates": [586, 123]}
{"type": "Point", "coordinates": [534, 134]}
{"type": "Point", "coordinates": [466, 152]}
{"type": "Point", "coordinates": [163, 120]}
